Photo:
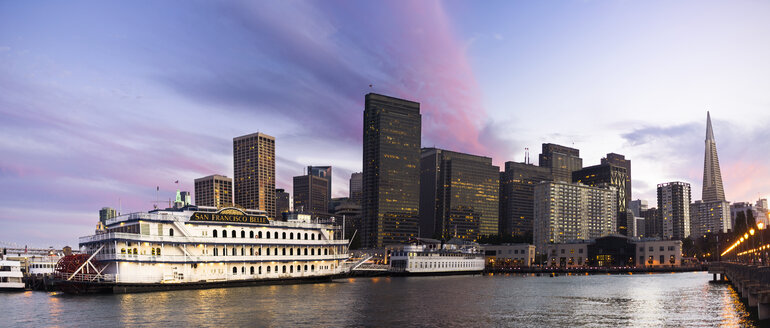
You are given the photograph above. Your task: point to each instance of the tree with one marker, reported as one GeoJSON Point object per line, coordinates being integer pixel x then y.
{"type": "Point", "coordinates": [740, 224]}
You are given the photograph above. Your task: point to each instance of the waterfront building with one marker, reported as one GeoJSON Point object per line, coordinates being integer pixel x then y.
{"type": "Point", "coordinates": [356, 187]}
{"type": "Point", "coordinates": [572, 211]}
{"type": "Point", "coordinates": [639, 229]}
{"type": "Point", "coordinates": [709, 217]}
{"type": "Point", "coordinates": [712, 176]}
{"type": "Point", "coordinates": [517, 196]}
{"type": "Point", "coordinates": [254, 172]}
{"type": "Point", "coordinates": [106, 213]}
{"type": "Point", "coordinates": [194, 247]}
{"type": "Point", "coordinates": [310, 194]}
{"type": "Point", "coordinates": [674, 204]}
{"type": "Point", "coordinates": [323, 172]}
{"type": "Point", "coordinates": [509, 255]}
{"type": "Point", "coordinates": [658, 253]}
{"type": "Point", "coordinates": [282, 202]}
{"type": "Point", "coordinates": [611, 251]}
{"type": "Point", "coordinates": [458, 195]}
{"type": "Point", "coordinates": [214, 190]}
{"type": "Point", "coordinates": [638, 206]}
{"type": "Point", "coordinates": [391, 175]}
{"type": "Point", "coordinates": [566, 255]}
{"type": "Point", "coordinates": [561, 160]}
{"type": "Point", "coordinates": [608, 175]}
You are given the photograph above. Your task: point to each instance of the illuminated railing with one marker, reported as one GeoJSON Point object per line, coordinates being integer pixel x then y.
{"type": "Point", "coordinates": [742, 240]}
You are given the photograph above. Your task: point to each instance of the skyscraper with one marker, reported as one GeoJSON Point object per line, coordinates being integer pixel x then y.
{"type": "Point", "coordinates": [310, 194]}
{"type": "Point", "coordinates": [214, 190]}
{"type": "Point", "coordinates": [517, 195]}
{"type": "Point", "coordinates": [254, 171]}
{"type": "Point", "coordinates": [571, 211]}
{"type": "Point", "coordinates": [608, 175]}
{"type": "Point", "coordinates": [637, 207]}
{"type": "Point", "coordinates": [674, 204]}
{"type": "Point", "coordinates": [391, 177]}
{"type": "Point", "coordinates": [620, 160]}
{"type": "Point", "coordinates": [281, 202]}
{"type": "Point", "coordinates": [712, 176]}
{"type": "Point", "coordinates": [106, 213]}
{"type": "Point", "coordinates": [458, 195]}
{"type": "Point", "coordinates": [356, 187]}
{"type": "Point", "coordinates": [561, 160]}
{"type": "Point", "coordinates": [324, 172]}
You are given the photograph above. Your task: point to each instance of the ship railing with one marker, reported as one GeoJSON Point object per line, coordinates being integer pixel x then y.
{"type": "Point", "coordinates": [216, 259]}
{"type": "Point", "coordinates": [90, 277]}
{"type": "Point", "coordinates": [208, 240]}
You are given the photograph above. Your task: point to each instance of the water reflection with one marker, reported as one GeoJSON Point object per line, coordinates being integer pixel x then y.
{"type": "Point", "coordinates": [681, 299]}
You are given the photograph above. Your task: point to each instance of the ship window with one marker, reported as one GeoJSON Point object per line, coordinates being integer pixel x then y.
{"type": "Point", "coordinates": [312, 236]}
{"type": "Point", "coordinates": [259, 235]}
{"type": "Point", "coordinates": [158, 251]}
{"type": "Point", "coordinates": [305, 236]}
{"type": "Point", "coordinates": [284, 236]}
{"type": "Point", "coordinates": [268, 251]}
{"type": "Point", "coordinates": [251, 234]}
{"type": "Point", "coordinates": [276, 269]}
{"type": "Point", "coordinates": [171, 232]}
{"type": "Point", "coordinates": [252, 270]}
{"type": "Point", "coordinates": [136, 251]}
{"type": "Point", "coordinates": [260, 269]}
{"type": "Point", "coordinates": [233, 235]}
{"type": "Point", "coordinates": [319, 236]}
{"type": "Point", "coordinates": [305, 251]}
{"type": "Point", "coordinates": [251, 251]}
{"type": "Point", "coordinates": [268, 235]}
{"type": "Point", "coordinates": [235, 270]}
{"type": "Point", "coordinates": [305, 267]}
{"type": "Point", "coordinates": [214, 234]}
{"type": "Point", "coordinates": [224, 251]}
{"type": "Point", "coordinates": [284, 251]}
{"type": "Point", "coordinates": [268, 269]}
{"type": "Point", "coordinates": [275, 250]}
{"type": "Point", "coordinates": [326, 251]}
{"type": "Point", "coordinates": [216, 251]}
{"type": "Point", "coordinates": [299, 251]}
{"type": "Point", "coordinates": [291, 235]}
{"type": "Point", "coordinates": [235, 251]}
{"type": "Point", "coordinates": [312, 268]}
{"type": "Point", "coordinates": [312, 251]}
{"type": "Point", "coordinates": [291, 269]}
{"type": "Point", "coordinates": [243, 251]}
{"type": "Point", "coordinates": [224, 233]}
{"type": "Point", "coordinates": [291, 251]}
{"type": "Point", "coordinates": [299, 268]}
{"type": "Point", "coordinates": [243, 234]}
{"type": "Point", "coordinates": [122, 251]}
{"type": "Point", "coordinates": [243, 269]}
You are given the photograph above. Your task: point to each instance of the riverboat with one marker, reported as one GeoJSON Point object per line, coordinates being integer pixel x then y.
{"type": "Point", "coordinates": [10, 275]}
{"type": "Point", "coordinates": [424, 256]}
{"type": "Point", "coordinates": [203, 247]}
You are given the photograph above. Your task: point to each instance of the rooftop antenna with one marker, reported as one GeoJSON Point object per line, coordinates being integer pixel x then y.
{"type": "Point", "coordinates": [526, 155]}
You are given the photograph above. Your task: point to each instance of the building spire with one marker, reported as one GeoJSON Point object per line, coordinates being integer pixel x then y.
{"type": "Point", "coordinates": [713, 190]}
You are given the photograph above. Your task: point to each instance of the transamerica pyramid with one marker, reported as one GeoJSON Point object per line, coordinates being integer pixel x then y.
{"type": "Point", "coordinates": [712, 176]}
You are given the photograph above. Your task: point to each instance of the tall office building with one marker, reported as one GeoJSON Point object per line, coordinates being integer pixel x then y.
{"type": "Point", "coordinates": [674, 204]}
{"type": "Point", "coordinates": [620, 160]}
{"type": "Point", "coordinates": [106, 213]}
{"type": "Point", "coordinates": [458, 195]}
{"type": "Point", "coordinates": [637, 207]}
{"type": "Point", "coordinates": [254, 171]}
{"type": "Point", "coordinates": [609, 175]}
{"type": "Point", "coordinates": [567, 212]}
{"type": "Point", "coordinates": [709, 217]}
{"type": "Point", "coordinates": [356, 187]}
{"type": "Point", "coordinates": [323, 172]}
{"type": "Point", "coordinates": [310, 194]}
{"type": "Point", "coordinates": [653, 223]}
{"type": "Point", "coordinates": [214, 190]}
{"type": "Point", "coordinates": [282, 203]}
{"type": "Point", "coordinates": [391, 177]}
{"type": "Point", "coordinates": [561, 160]}
{"type": "Point", "coordinates": [517, 195]}
{"type": "Point", "coordinates": [712, 176]}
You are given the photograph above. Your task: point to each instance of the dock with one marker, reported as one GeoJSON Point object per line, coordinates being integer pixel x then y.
{"type": "Point", "coordinates": [752, 282]}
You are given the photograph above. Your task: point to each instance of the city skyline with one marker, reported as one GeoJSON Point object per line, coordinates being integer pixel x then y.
{"type": "Point", "coordinates": [101, 117]}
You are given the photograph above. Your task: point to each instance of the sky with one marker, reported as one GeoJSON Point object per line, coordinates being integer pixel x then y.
{"type": "Point", "coordinates": [102, 102]}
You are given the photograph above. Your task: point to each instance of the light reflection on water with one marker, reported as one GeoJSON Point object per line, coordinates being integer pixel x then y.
{"type": "Point", "coordinates": [679, 299]}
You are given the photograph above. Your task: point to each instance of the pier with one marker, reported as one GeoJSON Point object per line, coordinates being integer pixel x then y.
{"type": "Point", "coordinates": [752, 282]}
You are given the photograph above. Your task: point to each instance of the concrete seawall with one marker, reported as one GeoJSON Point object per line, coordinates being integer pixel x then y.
{"type": "Point", "coordinates": [752, 282]}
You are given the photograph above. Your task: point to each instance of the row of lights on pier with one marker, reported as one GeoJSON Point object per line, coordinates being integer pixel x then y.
{"type": "Point", "coordinates": [745, 238]}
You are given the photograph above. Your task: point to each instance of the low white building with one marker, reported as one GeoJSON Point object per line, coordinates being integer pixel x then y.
{"type": "Point", "coordinates": [658, 253]}
{"type": "Point", "coordinates": [568, 255]}
{"type": "Point", "coordinates": [510, 255]}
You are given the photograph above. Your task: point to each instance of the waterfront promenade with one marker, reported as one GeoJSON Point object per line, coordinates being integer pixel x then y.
{"type": "Point", "coordinates": [751, 282]}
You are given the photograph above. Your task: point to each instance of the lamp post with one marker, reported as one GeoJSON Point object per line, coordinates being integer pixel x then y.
{"type": "Point", "coordinates": [761, 227]}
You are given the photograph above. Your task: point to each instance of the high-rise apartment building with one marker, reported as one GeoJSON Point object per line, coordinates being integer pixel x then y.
{"type": "Point", "coordinates": [517, 197]}
{"type": "Point", "coordinates": [709, 217]}
{"type": "Point", "coordinates": [282, 202]}
{"type": "Point", "coordinates": [566, 212]}
{"type": "Point", "coordinates": [323, 172]}
{"type": "Point", "coordinates": [712, 176]}
{"type": "Point", "coordinates": [254, 171]}
{"type": "Point", "coordinates": [214, 190]}
{"type": "Point", "coordinates": [674, 204]}
{"type": "Point", "coordinates": [391, 177]}
{"type": "Point", "coordinates": [356, 187]}
{"type": "Point", "coordinates": [310, 194]}
{"type": "Point", "coordinates": [458, 195]}
{"type": "Point", "coordinates": [608, 175]}
{"type": "Point", "coordinates": [653, 224]}
{"type": "Point", "coordinates": [561, 160]}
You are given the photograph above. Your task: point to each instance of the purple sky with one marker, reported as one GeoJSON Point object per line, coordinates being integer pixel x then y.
{"type": "Point", "coordinates": [102, 102]}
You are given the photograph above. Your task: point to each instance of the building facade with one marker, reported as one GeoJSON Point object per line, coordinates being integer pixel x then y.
{"type": "Point", "coordinates": [323, 172]}
{"type": "Point", "coordinates": [566, 255]}
{"type": "Point", "coordinates": [254, 172]}
{"type": "Point", "coordinates": [214, 190]}
{"type": "Point", "coordinates": [282, 202]}
{"type": "Point", "coordinates": [566, 212]}
{"type": "Point", "coordinates": [638, 206]}
{"type": "Point", "coordinates": [458, 195]}
{"type": "Point", "coordinates": [608, 175]}
{"type": "Point", "coordinates": [310, 194]}
{"type": "Point", "coordinates": [653, 225]}
{"type": "Point", "coordinates": [620, 160]}
{"type": "Point", "coordinates": [709, 217]}
{"type": "Point", "coordinates": [561, 160]}
{"type": "Point", "coordinates": [106, 213]}
{"type": "Point", "coordinates": [509, 255]}
{"type": "Point", "coordinates": [356, 187]}
{"type": "Point", "coordinates": [391, 175]}
{"type": "Point", "coordinates": [674, 204]}
{"type": "Point", "coordinates": [658, 253]}
{"type": "Point", "coordinates": [517, 197]}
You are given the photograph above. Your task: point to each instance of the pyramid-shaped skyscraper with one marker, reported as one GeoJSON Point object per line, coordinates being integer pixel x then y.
{"type": "Point", "coordinates": [712, 176]}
